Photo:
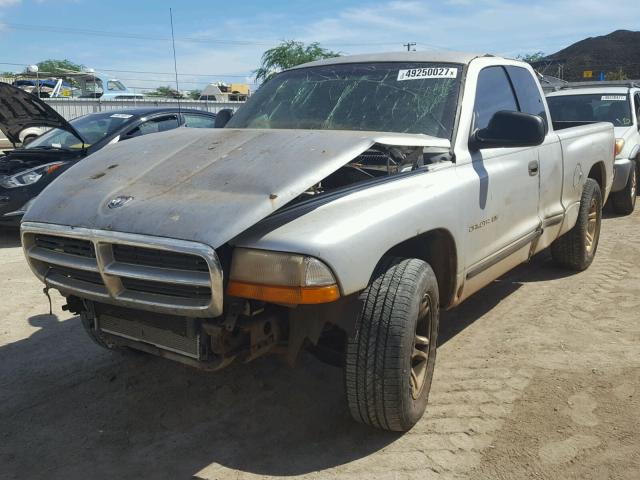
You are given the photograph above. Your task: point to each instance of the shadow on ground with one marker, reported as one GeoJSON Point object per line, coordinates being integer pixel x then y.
{"type": "Point", "coordinates": [69, 409]}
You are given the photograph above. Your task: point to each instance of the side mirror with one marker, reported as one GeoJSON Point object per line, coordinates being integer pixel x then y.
{"type": "Point", "coordinates": [509, 129]}
{"type": "Point", "coordinates": [223, 117]}
{"type": "Point", "coordinates": [28, 140]}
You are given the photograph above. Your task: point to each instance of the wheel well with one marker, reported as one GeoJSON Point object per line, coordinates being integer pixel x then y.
{"type": "Point", "coordinates": [438, 249]}
{"type": "Point", "coordinates": [597, 173]}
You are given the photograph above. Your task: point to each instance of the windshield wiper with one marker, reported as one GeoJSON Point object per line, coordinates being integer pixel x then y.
{"type": "Point", "coordinates": [49, 147]}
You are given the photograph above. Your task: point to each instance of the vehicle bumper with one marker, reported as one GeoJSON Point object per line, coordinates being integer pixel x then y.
{"type": "Point", "coordinates": [13, 204]}
{"type": "Point", "coordinates": [621, 169]}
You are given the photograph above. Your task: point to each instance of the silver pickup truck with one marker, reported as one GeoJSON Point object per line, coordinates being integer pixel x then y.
{"type": "Point", "coordinates": [617, 102]}
{"type": "Point", "coordinates": [339, 210]}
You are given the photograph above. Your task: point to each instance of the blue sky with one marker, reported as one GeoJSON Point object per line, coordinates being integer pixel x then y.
{"type": "Point", "coordinates": [224, 40]}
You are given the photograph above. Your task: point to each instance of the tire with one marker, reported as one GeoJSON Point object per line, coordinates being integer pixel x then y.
{"type": "Point", "coordinates": [390, 358]}
{"type": "Point", "coordinates": [624, 201]}
{"type": "Point", "coordinates": [28, 139]}
{"type": "Point", "coordinates": [576, 249]}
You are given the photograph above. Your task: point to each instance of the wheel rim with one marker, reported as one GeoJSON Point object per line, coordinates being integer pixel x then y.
{"type": "Point", "coordinates": [421, 347]}
{"type": "Point", "coordinates": [592, 226]}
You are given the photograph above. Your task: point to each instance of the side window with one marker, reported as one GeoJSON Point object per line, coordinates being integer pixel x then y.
{"type": "Point", "coordinates": [154, 125]}
{"type": "Point", "coordinates": [527, 91]}
{"type": "Point", "coordinates": [193, 120]}
{"type": "Point", "coordinates": [493, 93]}
{"type": "Point", "coordinates": [636, 104]}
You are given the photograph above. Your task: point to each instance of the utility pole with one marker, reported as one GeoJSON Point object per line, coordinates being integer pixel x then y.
{"type": "Point", "coordinates": [409, 45]}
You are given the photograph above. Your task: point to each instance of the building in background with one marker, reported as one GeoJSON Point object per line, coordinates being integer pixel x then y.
{"type": "Point", "coordinates": [222, 92]}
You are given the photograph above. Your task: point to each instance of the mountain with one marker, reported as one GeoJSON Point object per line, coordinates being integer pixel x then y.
{"type": "Point", "coordinates": [616, 52]}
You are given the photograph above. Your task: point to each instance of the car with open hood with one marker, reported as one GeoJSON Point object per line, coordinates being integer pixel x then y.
{"type": "Point", "coordinates": [26, 171]}
{"type": "Point", "coordinates": [340, 209]}
{"type": "Point", "coordinates": [617, 102]}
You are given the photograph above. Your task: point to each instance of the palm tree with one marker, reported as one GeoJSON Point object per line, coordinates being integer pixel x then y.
{"type": "Point", "coordinates": [289, 54]}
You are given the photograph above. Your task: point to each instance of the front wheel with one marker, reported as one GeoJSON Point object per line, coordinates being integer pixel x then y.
{"type": "Point", "coordinates": [390, 358]}
{"type": "Point", "coordinates": [576, 249]}
{"type": "Point", "coordinates": [624, 201]}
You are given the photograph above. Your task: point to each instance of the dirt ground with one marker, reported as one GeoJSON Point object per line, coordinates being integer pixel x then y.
{"type": "Point", "coordinates": [538, 376]}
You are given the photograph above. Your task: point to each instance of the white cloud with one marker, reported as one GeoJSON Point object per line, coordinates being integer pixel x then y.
{"type": "Point", "coordinates": [9, 3]}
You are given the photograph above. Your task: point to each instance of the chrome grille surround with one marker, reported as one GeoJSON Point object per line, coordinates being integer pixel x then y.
{"type": "Point", "coordinates": [43, 262]}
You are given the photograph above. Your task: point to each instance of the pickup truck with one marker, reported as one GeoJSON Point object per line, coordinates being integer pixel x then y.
{"type": "Point", "coordinates": [340, 209]}
{"type": "Point", "coordinates": [617, 102]}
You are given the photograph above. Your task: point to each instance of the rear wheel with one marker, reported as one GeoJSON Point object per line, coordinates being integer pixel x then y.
{"type": "Point", "coordinates": [576, 249]}
{"type": "Point", "coordinates": [391, 357]}
{"type": "Point", "coordinates": [624, 201]}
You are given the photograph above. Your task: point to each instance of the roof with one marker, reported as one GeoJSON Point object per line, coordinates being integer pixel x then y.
{"type": "Point", "coordinates": [589, 91]}
{"type": "Point", "coordinates": [435, 56]}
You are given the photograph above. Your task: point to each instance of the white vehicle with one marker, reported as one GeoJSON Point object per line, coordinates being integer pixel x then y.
{"type": "Point", "coordinates": [341, 207]}
{"type": "Point", "coordinates": [615, 102]}
{"type": "Point", "coordinates": [29, 134]}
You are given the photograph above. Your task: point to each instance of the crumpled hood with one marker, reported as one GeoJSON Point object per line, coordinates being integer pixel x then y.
{"type": "Point", "coordinates": [200, 184]}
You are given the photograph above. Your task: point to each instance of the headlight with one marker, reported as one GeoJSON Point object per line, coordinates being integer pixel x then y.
{"type": "Point", "coordinates": [619, 145]}
{"type": "Point", "coordinates": [28, 177]}
{"type": "Point", "coordinates": [281, 278]}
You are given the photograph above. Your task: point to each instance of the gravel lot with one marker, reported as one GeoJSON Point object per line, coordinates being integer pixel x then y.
{"type": "Point", "coordinates": [538, 376]}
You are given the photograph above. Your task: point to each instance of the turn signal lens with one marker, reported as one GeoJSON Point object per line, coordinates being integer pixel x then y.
{"type": "Point", "coordinates": [281, 277]}
{"type": "Point", "coordinates": [619, 146]}
{"type": "Point", "coordinates": [284, 295]}
{"type": "Point", "coordinates": [54, 167]}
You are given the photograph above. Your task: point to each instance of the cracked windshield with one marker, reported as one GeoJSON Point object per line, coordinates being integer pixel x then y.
{"type": "Point", "coordinates": [382, 97]}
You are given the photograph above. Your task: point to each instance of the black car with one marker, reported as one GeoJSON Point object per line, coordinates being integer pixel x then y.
{"type": "Point", "coordinates": [26, 171]}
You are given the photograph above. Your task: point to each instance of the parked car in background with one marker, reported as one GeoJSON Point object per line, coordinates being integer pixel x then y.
{"type": "Point", "coordinates": [615, 102]}
{"type": "Point", "coordinates": [343, 206]}
{"type": "Point", "coordinates": [26, 171]}
{"type": "Point", "coordinates": [45, 88]}
{"type": "Point", "coordinates": [96, 85]}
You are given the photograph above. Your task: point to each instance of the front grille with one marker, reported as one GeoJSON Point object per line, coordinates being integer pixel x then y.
{"type": "Point", "coordinates": [150, 258]}
{"type": "Point", "coordinates": [149, 273]}
{"type": "Point", "coordinates": [75, 274]}
{"type": "Point", "coordinates": [72, 246]}
{"type": "Point", "coordinates": [184, 291]}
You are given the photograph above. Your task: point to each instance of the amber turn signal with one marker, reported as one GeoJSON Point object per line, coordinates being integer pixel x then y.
{"type": "Point", "coordinates": [619, 146]}
{"type": "Point", "coordinates": [284, 295]}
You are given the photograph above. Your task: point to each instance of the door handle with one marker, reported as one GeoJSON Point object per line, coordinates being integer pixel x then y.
{"type": "Point", "coordinates": [533, 168]}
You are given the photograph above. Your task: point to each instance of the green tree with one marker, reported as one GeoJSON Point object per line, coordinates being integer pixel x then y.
{"type": "Point", "coordinates": [166, 92]}
{"type": "Point", "coordinates": [195, 94]}
{"type": "Point", "coordinates": [531, 57]}
{"type": "Point", "coordinates": [59, 67]}
{"type": "Point", "coordinates": [619, 75]}
{"type": "Point", "coordinates": [289, 54]}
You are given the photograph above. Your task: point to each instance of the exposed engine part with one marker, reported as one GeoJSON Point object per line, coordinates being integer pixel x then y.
{"type": "Point", "coordinates": [264, 334]}
{"type": "Point", "coordinates": [379, 161]}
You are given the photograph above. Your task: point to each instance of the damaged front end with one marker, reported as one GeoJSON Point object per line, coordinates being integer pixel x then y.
{"type": "Point", "coordinates": [160, 273]}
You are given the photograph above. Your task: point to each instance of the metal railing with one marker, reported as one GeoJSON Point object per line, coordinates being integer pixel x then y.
{"type": "Point", "coordinates": [70, 108]}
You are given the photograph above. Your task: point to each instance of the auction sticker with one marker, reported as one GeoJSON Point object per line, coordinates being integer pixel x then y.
{"type": "Point", "coordinates": [614, 98]}
{"type": "Point", "coordinates": [121, 115]}
{"type": "Point", "coordinates": [429, 72]}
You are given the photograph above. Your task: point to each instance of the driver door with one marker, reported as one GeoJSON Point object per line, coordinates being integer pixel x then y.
{"type": "Point", "coordinates": [503, 220]}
